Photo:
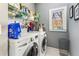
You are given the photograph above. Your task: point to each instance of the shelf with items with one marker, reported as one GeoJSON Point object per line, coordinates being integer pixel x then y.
{"type": "Point", "coordinates": [13, 8]}
{"type": "Point", "coordinates": [17, 10]}
{"type": "Point", "coordinates": [23, 14]}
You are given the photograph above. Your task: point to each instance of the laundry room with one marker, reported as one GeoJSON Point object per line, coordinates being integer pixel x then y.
{"type": "Point", "coordinates": [39, 29]}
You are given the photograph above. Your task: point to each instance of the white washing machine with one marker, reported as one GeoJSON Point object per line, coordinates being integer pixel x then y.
{"type": "Point", "coordinates": [33, 49]}
{"type": "Point", "coordinates": [42, 43]}
{"type": "Point", "coordinates": [18, 46]}
{"type": "Point", "coordinates": [27, 45]}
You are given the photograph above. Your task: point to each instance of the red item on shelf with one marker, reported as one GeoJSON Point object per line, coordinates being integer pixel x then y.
{"type": "Point", "coordinates": [31, 25]}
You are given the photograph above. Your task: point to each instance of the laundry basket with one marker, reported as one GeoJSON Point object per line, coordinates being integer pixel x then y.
{"type": "Point", "coordinates": [63, 47]}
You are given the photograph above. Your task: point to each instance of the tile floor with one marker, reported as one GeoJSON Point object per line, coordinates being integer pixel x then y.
{"type": "Point", "coordinates": [52, 51]}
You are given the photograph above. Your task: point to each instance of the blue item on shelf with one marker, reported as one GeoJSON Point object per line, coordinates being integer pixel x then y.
{"type": "Point", "coordinates": [14, 30]}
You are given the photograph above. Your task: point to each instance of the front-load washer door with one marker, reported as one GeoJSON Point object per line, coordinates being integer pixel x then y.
{"type": "Point", "coordinates": [44, 44]}
{"type": "Point", "coordinates": [32, 51]}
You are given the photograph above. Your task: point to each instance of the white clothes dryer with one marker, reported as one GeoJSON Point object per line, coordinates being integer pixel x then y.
{"type": "Point", "coordinates": [42, 43]}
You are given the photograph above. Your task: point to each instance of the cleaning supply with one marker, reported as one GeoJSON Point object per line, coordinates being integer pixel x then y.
{"type": "Point", "coordinates": [43, 27]}
{"type": "Point", "coordinates": [30, 26]}
{"type": "Point", "coordinates": [40, 28]}
{"type": "Point", "coordinates": [14, 30]}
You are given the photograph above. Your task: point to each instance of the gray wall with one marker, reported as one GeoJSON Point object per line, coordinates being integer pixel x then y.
{"type": "Point", "coordinates": [53, 37]}
{"type": "Point", "coordinates": [74, 36]}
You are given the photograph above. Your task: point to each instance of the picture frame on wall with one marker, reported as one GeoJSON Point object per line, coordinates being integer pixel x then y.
{"type": "Point", "coordinates": [76, 11]}
{"type": "Point", "coordinates": [71, 11]}
{"type": "Point", "coordinates": [58, 19]}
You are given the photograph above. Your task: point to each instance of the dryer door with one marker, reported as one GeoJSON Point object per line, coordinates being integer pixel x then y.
{"type": "Point", "coordinates": [32, 51]}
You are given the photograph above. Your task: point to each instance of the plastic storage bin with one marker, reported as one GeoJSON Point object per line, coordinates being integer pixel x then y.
{"type": "Point", "coordinates": [64, 47]}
